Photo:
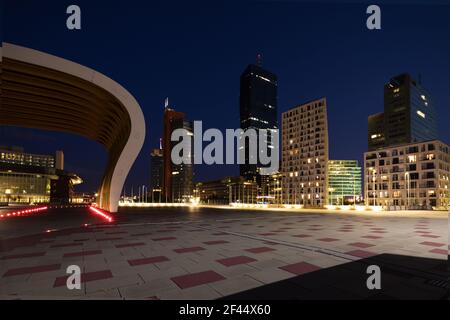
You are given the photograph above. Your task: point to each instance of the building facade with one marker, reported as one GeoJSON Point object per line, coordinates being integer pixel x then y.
{"type": "Point", "coordinates": [33, 178]}
{"type": "Point", "coordinates": [258, 110]}
{"type": "Point", "coordinates": [156, 175]}
{"type": "Point", "coordinates": [227, 190]}
{"type": "Point", "coordinates": [344, 182]}
{"type": "Point", "coordinates": [409, 115]}
{"type": "Point", "coordinates": [408, 176]}
{"type": "Point", "coordinates": [177, 185]}
{"type": "Point", "coordinates": [305, 154]}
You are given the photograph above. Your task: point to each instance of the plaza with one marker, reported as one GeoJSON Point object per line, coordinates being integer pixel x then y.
{"type": "Point", "coordinates": [211, 253]}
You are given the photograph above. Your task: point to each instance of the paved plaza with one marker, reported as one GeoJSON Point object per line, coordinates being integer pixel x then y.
{"type": "Point", "coordinates": [211, 253]}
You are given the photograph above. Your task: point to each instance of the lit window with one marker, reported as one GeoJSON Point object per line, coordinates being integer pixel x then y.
{"type": "Point", "coordinates": [421, 114]}
{"type": "Point", "coordinates": [412, 158]}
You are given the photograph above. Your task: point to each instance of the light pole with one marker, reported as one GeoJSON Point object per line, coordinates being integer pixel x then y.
{"type": "Point", "coordinates": [331, 195]}
{"type": "Point", "coordinates": [374, 180]}
{"type": "Point", "coordinates": [408, 190]}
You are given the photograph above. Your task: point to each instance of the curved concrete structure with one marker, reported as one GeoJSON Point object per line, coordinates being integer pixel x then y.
{"type": "Point", "coordinates": [46, 92]}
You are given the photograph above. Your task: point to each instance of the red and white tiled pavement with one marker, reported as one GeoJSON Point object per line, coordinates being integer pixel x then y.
{"type": "Point", "coordinates": [205, 258]}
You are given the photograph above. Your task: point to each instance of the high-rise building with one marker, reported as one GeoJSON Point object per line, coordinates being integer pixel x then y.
{"type": "Point", "coordinates": [156, 174]}
{"type": "Point", "coordinates": [182, 174]}
{"type": "Point", "coordinates": [408, 176]}
{"type": "Point", "coordinates": [305, 154]}
{"type": "Point", "coordinates": [177, 183]}
{"type": "Point", "coordinates": [258, 110]}
{"type": "Point", "coordinates": [409, 115]}
{"type": "Point", "coordinates": [344, 182]}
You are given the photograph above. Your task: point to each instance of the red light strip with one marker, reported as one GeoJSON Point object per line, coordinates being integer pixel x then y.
{"type": "Point", "coordinates": [22, 213]}
{"type": "Point", "coordinates": [102, 214]}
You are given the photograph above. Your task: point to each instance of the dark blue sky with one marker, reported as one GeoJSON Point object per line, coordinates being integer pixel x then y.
{"type": "Point", "coordinates": [194, 53]}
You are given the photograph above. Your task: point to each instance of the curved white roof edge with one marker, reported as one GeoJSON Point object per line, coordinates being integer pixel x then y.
{"type": "Point", "coordinates": [137, 134]}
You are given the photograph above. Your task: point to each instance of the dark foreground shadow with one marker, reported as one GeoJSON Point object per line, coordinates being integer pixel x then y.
{"type": "Point", "coordinates": [402, 277]}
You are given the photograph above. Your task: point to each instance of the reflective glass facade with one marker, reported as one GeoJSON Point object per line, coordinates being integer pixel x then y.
{"type": "Point", "coordinates": [24, 187]}
{"type": "Point", "coordinates": [344, 181]}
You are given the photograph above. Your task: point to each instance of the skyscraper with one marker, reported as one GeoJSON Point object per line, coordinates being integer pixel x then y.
{"type": "Point", "coordinates": [156, 174]}
{"type": "Point", "coordinates": [258, 109]}
{"type": "Point", "coordinates": [305, 154]}
{"type": "Point", "coordinates": [409, 115]}
{"type": "Point", "coordinates": [177, 183]}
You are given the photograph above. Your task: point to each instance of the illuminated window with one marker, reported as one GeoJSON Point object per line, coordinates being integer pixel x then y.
{"type": "Point", "coordinates": [412, 158]}
{"type": "Point", "coordinates": [421, 114]}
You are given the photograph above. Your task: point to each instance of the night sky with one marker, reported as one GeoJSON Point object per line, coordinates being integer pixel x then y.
{"type": "Point", "coordinates": [194, 53]}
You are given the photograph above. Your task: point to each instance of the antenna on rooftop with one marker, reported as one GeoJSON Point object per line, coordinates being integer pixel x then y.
{"type": "Point", "coordinates": [259, 59]}
{"type": "Point", "coordinates": [166, 103]}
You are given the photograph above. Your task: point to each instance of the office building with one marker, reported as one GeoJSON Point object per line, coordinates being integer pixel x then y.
{"type": "Point", "coordinates": [228, 190]}
{"type": "Point", "coordinates": [344, 182]}
{"type": "Point", "coordinates": [156, 174]}
{"type": "Point", "coordinates": [177, 185]}
{"type": "Point", "coordinates": [409, 176]}
{"type": "Point", "coordinates": [258, 110]}
{"type": "Point", "coordinates": [409, 115]}
{"type": "Point", "coordinates": [34, 178]}
{"type": "Point", "coordinates": [305, 154]}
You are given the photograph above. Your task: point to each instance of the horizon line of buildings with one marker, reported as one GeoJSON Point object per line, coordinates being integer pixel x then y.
{"type": "Point", "coordinates": [405, 167]}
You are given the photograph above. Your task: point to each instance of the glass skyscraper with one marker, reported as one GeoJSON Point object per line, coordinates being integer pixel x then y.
{"type": "Point", "coordinates": [409, 115]}
{"type": "Point", "coordinates": [258, 110]}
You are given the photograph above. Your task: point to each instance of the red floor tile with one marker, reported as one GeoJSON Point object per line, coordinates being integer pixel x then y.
{"type": "Point", "coordinates": [300, 268]}
{"type": "Point", "coordinates": [211, 243]}
{"type": "Point", "coordinates": [328, 239]}
{"type": "Point", "coordinates": [430, 236]}
{"type": "Point", "coordinates": [260, 250]}
{"type": "Point", "coordinates": [372, 237]}
{"type": "Point", "coordinates": [187, 250]}
{"type": "Point", "coordinates": [432, 244]}
{"type": "Point", "coordinates": [85, 277]}
{"type": "Point", "coordinates": [108, 239]}
{"type": "Point", "coordinates": [24, 255]}
{"type": "Point", "coordinates": [35, 269]}
{"type": "Point", "coordinates": [439, 251]}
{"type": "Point", "coordinates": [196, 279]}
{"type": "Point", "coordinates": [361, 245]}
{"type": "Point", "coordinates": [302, 235]}
{"type": "Point", "coordinates": [361, 253]}
{"type": "Point", "coordinates": [82, 253]}
{"type": "Point", "coordinates": [267, 234]}
{"type": "Point", "coordinates": [150, 260]}
{"type": "Point", "coordinates": [228, 262]}
{"type": "Point", "coordinates": [164, 239]}
{"type": "Point", "coordinates": [65, 245]}
{"type": "Point", "coordinates": [127, 245]}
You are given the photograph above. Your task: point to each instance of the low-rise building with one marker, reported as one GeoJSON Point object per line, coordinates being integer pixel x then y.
{"type": "Point", "coordinates": [408, 176]}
